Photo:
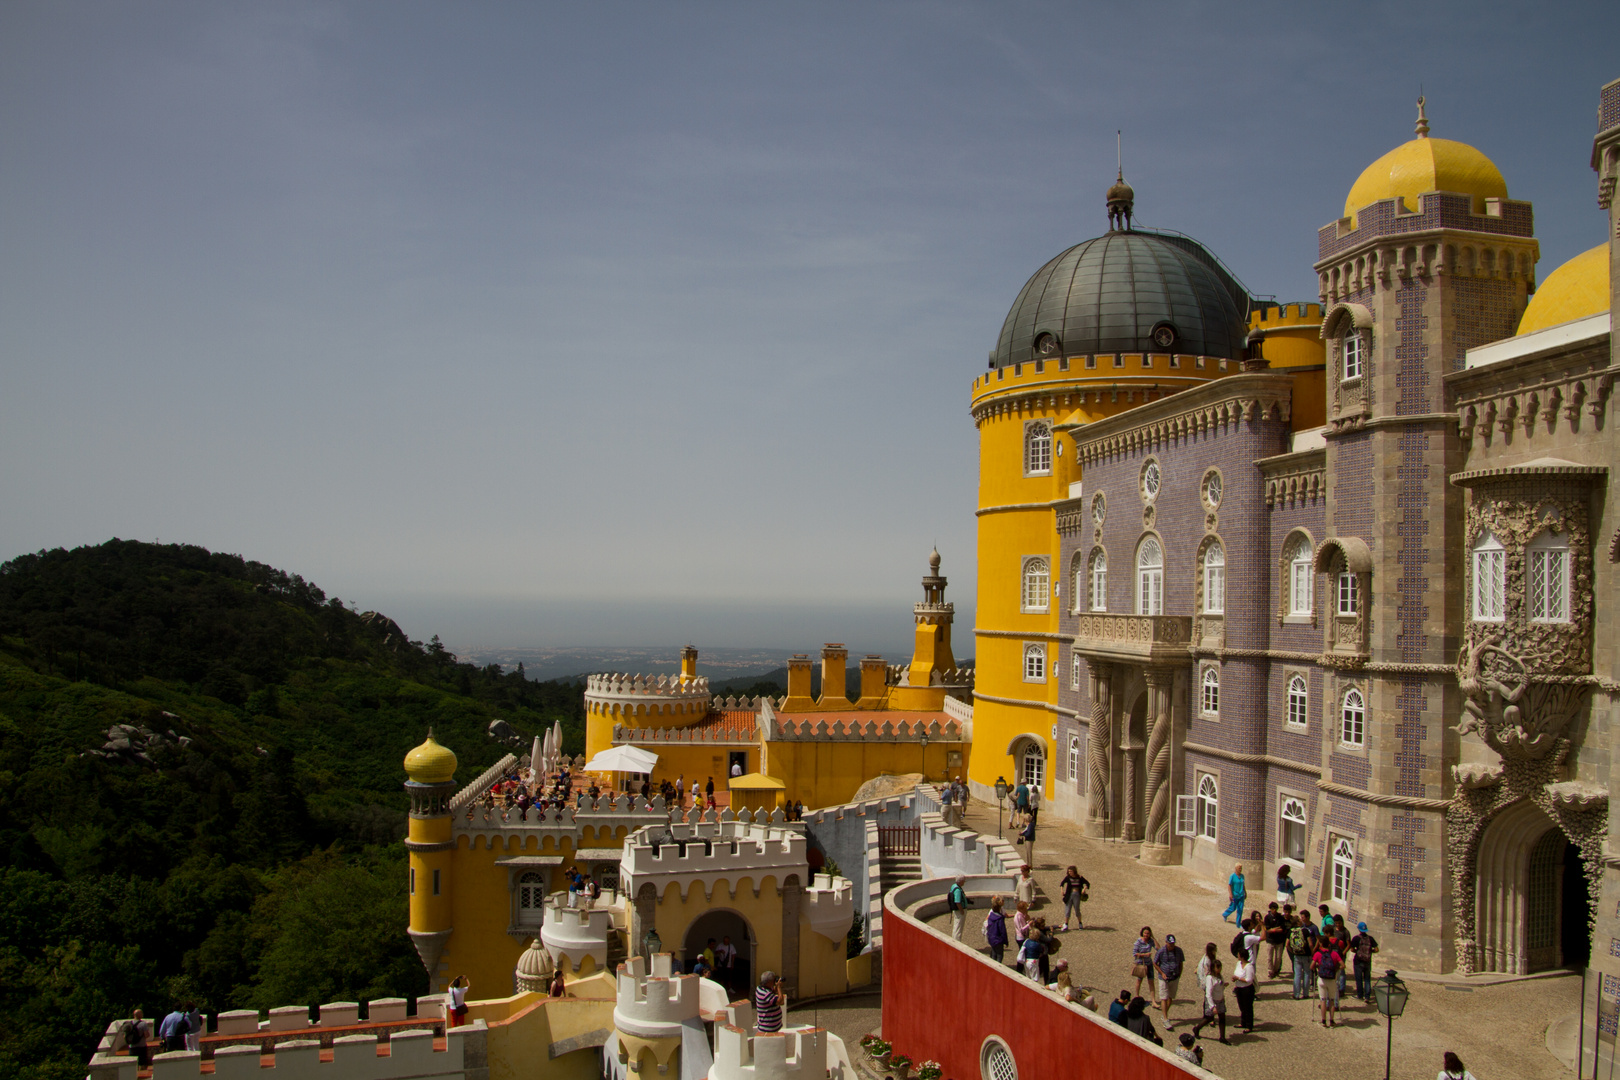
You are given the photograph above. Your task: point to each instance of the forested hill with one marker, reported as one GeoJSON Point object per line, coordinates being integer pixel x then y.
{"type": "Point", "coordinates": [236, 841]}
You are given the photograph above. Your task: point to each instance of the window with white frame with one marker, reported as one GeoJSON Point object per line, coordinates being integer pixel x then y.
{"type": "Point", "coordinates": [1349, 600]}
{"type": "Point", "coordinates": [1353, 719]}
{"type": "Point", "coordinates": [1293, 828]}
{"type": "Point", "coordinates": [1074, 670]}
{"type": "Point", "coordinates": [1209, 805]}
{"type": "Point", "coordinates": [1354, 354]}
{"type": "Point", "coordinates": [1074, 757]}
{"type": "Point", "coordinates": [1344, 866]}
{"type": "Point", "coordinates": [1034, 662]}
{"type": "Point", "coordinates": [1037, 584]}
{"type": "Point", "coordinates": [1548, 559]}
{"type": "Point", "coordinates": [1299, 701]}
{"type": "Point", "coordinates": [1490, 577]}
{"type": "Point", "coordinates": [531, 898]}
{"type": "Point", "coordinates": [1033, 772]}
{"type": "Point", "coordinates": [1077, 582]}
{"type": "Point", "coordinates": [1099, 580]}
{"type": "Point", "coordinates": [1301, 576]}
{"type": "Point", "coordinates": [1214, 579]}
{"type": "Point", "coordinates": [1150, 578]}
{"type": "Point", "coordinates": [1151, 478]}
{"type": "Point", "coordinates": [1210, 696]}
{"type": "Point", "coordinates": [1038, 448]}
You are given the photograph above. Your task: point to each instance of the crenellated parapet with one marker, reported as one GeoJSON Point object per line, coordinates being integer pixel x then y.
{"type": "Point", "coordinates": [653, 1004]}
{"type": "Point", "coordinates": [828, 906]}
{"type": "Point", "coordinates": [582, 931]}
{"type": "Point", "coordinates": [794, 1054]}
{"type": "Point", "coordinates": [707, 852]}
{"type": "Point", "coordinates": [810, 728]}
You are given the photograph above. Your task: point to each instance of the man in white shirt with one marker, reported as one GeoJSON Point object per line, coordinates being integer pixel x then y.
{"type": "Point", "coordinates": [736, 768]}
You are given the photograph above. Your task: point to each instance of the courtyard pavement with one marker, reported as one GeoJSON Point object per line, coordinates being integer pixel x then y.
{"type": "Point", "coordinates": [1498, 1029]}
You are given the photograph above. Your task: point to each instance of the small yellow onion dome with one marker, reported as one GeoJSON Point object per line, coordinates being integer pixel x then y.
{"type": "Point", "coordinates": [1573, 291]}
{"type": "Point", "coordinates": [430, 763]}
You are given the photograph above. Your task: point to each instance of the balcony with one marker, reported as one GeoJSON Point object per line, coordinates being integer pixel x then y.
{"type": "Point", "coordinates": [1141, 639]}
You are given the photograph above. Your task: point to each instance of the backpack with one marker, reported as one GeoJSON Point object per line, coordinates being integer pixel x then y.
{"type": "Point", "coordinates": [1296, 941]}
{"type": "Point", "coordinates": [1237, 948]}
{"type": "Point", "coordinates": [1328, 966]}
{"type": "Point", "coordinates": [132, 1033]}
{"type": "Point", "coordinates": [1364, 947]}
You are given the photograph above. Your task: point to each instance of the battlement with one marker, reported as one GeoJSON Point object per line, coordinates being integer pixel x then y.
{"type": "Point", "coordinates": [963, 677]}
{"type": "Point", "coordinates": [1072, 373]}
{"type": "Point", "coordinates": [828, 906]}
{"type": "Point", "coordinates": [1436, 210]}
{"type": "Point", "coordinates": [618, 684]}
{"type": "Point", "coordinates": [793, 1054]}
{"type": "Point", "coordinates": [654, 1005]}
{"type": "Point", "coordinates": [1269, 316]}
{"type": "Point", "coordinates": [863, 727]}
{"type": "Point", "coordinates": [608, 811]}
{"type": "Point", "coordinates": [578, 932]}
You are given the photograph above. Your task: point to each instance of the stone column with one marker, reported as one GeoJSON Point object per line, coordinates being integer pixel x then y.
{"type": "Point", "coordinates": [1160, 682]}
{"type": "Point", "coordinates": [1097, 749]}
{"type": "Point", "coordinates": [1131, 829]}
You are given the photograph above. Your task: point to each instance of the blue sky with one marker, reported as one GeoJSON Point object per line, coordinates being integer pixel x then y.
{"type": "Point", "coordinates": [617, 323]}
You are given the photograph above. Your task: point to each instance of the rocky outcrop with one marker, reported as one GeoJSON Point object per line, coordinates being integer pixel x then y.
{"type": "Point", "coordinates": [130, 742]}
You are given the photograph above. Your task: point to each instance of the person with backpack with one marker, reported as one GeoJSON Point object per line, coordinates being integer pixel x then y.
{"type": "Point", "coordinates": [172, 1030]}
{"type": "Point", "coordinates": [1362, 947]}
{"type": "Point", "coordinates": [1328, 963]}
{"type": "Point", "coordinates": [1341, 945]}
{"type": "Point", "coordinates": [1246, 942]}
{"type": "Point", "coordinates": [1301, 945]}
{"type": "Point", "coordinates": [995, 930]}
{"type": "Point", "coordinates": [958, 902]}
{"type": "Point", "coordinates": [135, 1032]}
{"type": "Point", "coordinates": [1167, 965]}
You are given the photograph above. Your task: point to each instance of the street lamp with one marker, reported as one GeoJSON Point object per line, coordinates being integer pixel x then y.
{"type": "Point", "coordinates": [923, 738]}
{"type": "Point", "coordinates": [1001, 801]}
{"type": "Point", "coordinates": [652, 945]}
{"type": "Point", "coordinates": [1391, 995]}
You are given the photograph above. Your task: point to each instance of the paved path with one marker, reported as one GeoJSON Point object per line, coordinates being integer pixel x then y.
{"type": "Point", "coordinates": [1499, 1030]}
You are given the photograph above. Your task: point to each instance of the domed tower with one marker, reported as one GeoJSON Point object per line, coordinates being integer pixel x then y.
{"type": "Point", "coordinates": [1122, 319]}
{"type": "Point", "coordinates": [431, 771]}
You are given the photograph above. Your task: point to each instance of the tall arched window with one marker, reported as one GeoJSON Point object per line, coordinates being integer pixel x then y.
{"type": "Point", "coordinates": [1548, 559]}
{"type": "Point", "coordinates": [1293, 829]}
{"type": "Point", "coordinates": [1211, 698]}
{"type": "Point", "coordinates": [1209, 805]}
{"type": "Point", "coordinates": [1150, 578]}
{"type": "Point", "coordinates": [1353, 719]}
{"type": "Point", "coordinates": [1301, 576]}
{"type": "Point", "coordinates": [1038, 448]}
{"type": "Point", "coordinates": [1077, 583]}
{"type": "Point", "coordinates": [1037, 585]}
{"type": "Point", "coordinates": [1034, 662]}
{"type": "Point", "coordinates": [1074, 669]}
{"type": "Point", "coordinates": [531, 899]}
{"type": "Point", "coordinates": [1344, 867]}
{"type": "Point", "coordinates": [1490, 575]}
{"type": "Point", "coordinates": [1299, 701]}
{"type": "Point", "coordinates": [1099, 580]}
{"type": "Point", "coordinates": [1034, 765]}
{"type": "Point", "coordinates": [1214, 579]}
{"type": "Point", "coordinates": [1074, 757]}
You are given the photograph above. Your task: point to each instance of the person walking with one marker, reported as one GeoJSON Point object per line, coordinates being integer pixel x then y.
{"type": "Point", "coordinates": [1452, 1068]}
{"type": "Point", "coordinates": [1326, 961]}
{"type": "Point", "coordinates": [1286, 886]}
{"type": "Point", "coordinates": [1236, 893]}
{"type": "Point", "coordinates": [1142, 950]}
{"type": "Point", "coordinates": [708, 791]}
{"type": "Point", "coordinates": [1362, 947]}
{"type": "Point", "coordinates": [1214, 1001]}
{"type": "Point", "coordinates": [172, 1030]}
{"type": "Point", "coordinates": [1243, 990]}
{"type": "Point", "coordinates": [1206, 964]}
{"type": "Point", "coordinates": [995, 930]}
{"type": "Point", "coordinates": [957, 899]}
{"type": "Point", "coordinates": [768, 1003]}
{"type": "Point", "coordinates": [1021, 800]}
{"type": "Point", "coordinates": [194, 1027]}
{"type": "Point", "coordinates": [1167, 965]}
{"type": "Point", "coordinates": [1276, 931]}
{"type": "Point", "coordinates": [1076, 890]}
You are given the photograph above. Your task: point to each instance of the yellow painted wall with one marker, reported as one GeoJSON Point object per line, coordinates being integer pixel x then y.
{"type": "Point", "coordinates": [676, 913]}
{"type": "Point", "coordinates": [601, 716]}
{"type": "Point", "coordinates": [823, 966]}
{"type": "Point", "coordinates": [523, 1028]}
{"type": "Point", "coordinates": [430, 913]}
{"type": "Point", "coordinates": [829, 773]}
{"type": "Point", "coordinates": [1293, 339]}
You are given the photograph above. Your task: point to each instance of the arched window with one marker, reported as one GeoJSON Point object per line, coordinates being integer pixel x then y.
{"type": "Point", "coordinates": [1150, 578]}
{"type": "Point", "coordinates": [531, 898]}
{"type": "Point", "coordinates": [1074, 757]}
{"type": "Point", "coordinates": [1214, 579]}
{"type": "Point", "coordinates": [1301, 576]}
{"type": "Point", "coordinates": [1349, 593]}
{"type": "Point", "coordinates": [1074, 670]}
{"type": "Point", "coordinates": [1299, 701]}
{"type": "Point", "coordinates": [1293, 829]}
{"type": "Point", "coordinates": [1077, 583]}
{"type": "Point", "coordinates": [1099, 580]}
{"type": "Point", "coordinates": [1344, 865]}
{"type": "Point", "coordinates": [1211, 699]}
{"type": "Point", "coordinates": [1490, 575]}
{"type": "Point", "coordinates": [1038, 448]}
{"type": "Point", "coordinates": [1037, 585]}
{"type": "Point", "coordinates": [1034, 662]}
{"type": "Point", "coordinates": [1353, 719]}
{"type": "Point", "coordinates": [1549, 578]}
{"type": "Point", "coordinates": [1209, 805]}
{"type": "Point", "coordinates": [1034, 765]}
{"type": "Point", "coordinates": [1353, 351]}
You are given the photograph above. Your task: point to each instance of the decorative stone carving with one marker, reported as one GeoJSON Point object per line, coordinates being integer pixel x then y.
{"type": "Point", "coordinates": [1097, 746]}
{"type": "Point", "coordinates": [1475, 774]}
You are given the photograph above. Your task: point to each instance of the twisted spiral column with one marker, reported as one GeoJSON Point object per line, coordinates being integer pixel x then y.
{"type": "Point", "coordinates": [1097, 743]}
{"type": "Point", "coordinates": [1158, 757]}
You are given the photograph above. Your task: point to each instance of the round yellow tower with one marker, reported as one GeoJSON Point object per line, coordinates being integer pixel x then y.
{"type": "Point", "coordinates": [431, 771]}
{"type": "Point", "coordinates": [1126, 318]}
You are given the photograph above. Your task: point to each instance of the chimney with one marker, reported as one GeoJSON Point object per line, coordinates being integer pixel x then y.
{"type": "Point", "coordinates": [833, 661]}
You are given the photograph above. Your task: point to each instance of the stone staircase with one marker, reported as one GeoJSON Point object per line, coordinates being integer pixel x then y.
{"type": "Point", "coordinates": [895, 870]}
{"type": "Point", "coordinates": [616, 952]}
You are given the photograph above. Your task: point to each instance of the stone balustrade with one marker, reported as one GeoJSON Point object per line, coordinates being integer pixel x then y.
{"type": "Point", "coordinates": [1155, 639]}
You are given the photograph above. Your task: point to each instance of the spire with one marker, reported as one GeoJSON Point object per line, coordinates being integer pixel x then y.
{"type": "Point", "coordinates": [1121, 198]}
{"type": "Point", "coordinates": [1422, 127]}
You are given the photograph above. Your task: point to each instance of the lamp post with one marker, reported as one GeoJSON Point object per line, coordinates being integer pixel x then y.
{"type": "Point", "coordinates": [652, 944]}
{"type": "Point", "coordinates": [923, 739]}
{"type": "Point", "coordinates": [1391, 995]}
{"type": "Point", "coordinates": [1001, 801]}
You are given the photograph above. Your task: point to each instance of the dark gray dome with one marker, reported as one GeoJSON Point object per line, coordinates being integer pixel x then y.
{"type": "Point", "coordinates": [1111, 294]}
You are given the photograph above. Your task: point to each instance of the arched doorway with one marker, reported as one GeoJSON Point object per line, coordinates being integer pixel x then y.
{"type": "Point", "coordinates": [721, 923]}
{"type": "Point", "coordinates": [1532, 901]}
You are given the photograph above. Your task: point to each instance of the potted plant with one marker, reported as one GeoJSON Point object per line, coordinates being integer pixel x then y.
{"type": "Point", "coordinates": [901, 1066]}
{"type": "Point", "coordinates": [877, 1049]}
{"type": "Point", "coordinates": [930, 1070]}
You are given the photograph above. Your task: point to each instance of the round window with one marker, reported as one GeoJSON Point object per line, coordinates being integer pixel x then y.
{"type": "Point", "coordinates": [1099, 509]}
{"type": "Point", "coordinates": [1150, 481]}
{"type": "Point", "coordinates": [1164, 335]}
{"type": "Point", "coordinates": [1046, 345]}
{"type": "Point", "coordinates": [996, 1061]}
{"type": "Point", "coordinates": [1212, 488]}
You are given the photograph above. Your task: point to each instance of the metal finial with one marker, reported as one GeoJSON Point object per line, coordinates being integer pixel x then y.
{"type": "Point", "coordinates": [1119, 152]}
{"type": "Point", "coordinates": [1422, 128]}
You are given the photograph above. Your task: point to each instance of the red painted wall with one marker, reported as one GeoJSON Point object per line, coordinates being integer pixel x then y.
{"type": "Point", "coordinates": [941, 1000]}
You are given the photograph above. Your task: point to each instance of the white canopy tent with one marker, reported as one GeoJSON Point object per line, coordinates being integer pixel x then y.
{"type": "Point", "coordinates": [623, 759]}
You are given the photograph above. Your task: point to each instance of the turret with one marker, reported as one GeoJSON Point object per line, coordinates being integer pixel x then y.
{"type": "Point", "coordinates": [431, 770]}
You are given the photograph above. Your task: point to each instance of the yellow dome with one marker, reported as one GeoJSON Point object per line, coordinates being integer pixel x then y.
{"type": "Point", "coordinates": [1573, 291]}
{"type": "Point", "coordinates": [430, 763]}
{"type": "Point", "coordinates": [1423, 165]}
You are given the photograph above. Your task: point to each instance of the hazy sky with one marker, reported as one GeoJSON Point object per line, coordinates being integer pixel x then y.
{"type": "Point", "coordinates": [597, 323]}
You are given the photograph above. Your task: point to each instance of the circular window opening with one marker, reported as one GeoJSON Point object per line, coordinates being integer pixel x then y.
{"type": "Point", "coordinates": [996, 1061]}
{"type": "Point", "coordinates": [1046, 345]}
{"type": "Point", "coordinates": [1150, 481]}
{"type": "Point", "coordinates": [1099, 509]}
{"type": "Point", "coordinates": [1164, 335]}
{"type": "Point", "coordinates": [1212, 489]}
